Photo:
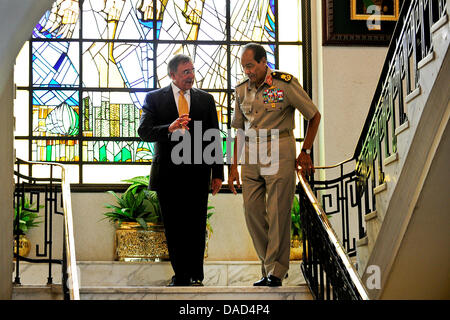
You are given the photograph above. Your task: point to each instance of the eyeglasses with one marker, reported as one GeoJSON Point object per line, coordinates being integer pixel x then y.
{"type": "Point", "coordinates": [188, 71]}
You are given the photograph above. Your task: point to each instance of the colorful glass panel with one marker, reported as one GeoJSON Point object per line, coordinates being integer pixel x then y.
{"type": "Point", "coordinates": [118, 19]}
{"type": "Point", "coordinates": [192, 20]}
{"type": "Point", "coordinates": [55, 150]}
{"type": "Point", "coordinates": [55, 64]}
{"type": "Point", "coordinates": [90, 86]}
{"type": "Point", "coordinates": [253, 20]}
{"type": "Point", "coordinates": [111, 114]}
{"type": "Point", "coordinates": [55, 113]}
{"type": "Point", "coordinates": [118, 65]}
{"type": "Point", "coordinates": [117, 151]}
{"type": "Point", "coordinates": [60, 22]}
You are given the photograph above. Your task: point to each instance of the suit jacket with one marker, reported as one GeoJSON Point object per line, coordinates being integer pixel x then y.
{"type": "Point", "coordinates": [159, 111]}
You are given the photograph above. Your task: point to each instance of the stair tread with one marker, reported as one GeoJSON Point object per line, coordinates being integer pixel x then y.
{"type": "Point", "coordinates": [37, 287]}
{"type": "Point", "coordinates": [205, 289]}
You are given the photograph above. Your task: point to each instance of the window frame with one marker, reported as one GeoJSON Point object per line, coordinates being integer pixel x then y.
{"type": "Point", "coordinates": [305, 43]}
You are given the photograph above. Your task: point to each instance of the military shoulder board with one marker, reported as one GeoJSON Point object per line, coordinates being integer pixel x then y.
{"type": "Point", "coordinates": [282, 76]}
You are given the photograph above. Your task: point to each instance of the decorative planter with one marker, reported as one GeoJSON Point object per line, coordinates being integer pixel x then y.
{"type": "Point", "coordinates": [24, 246]}
{"type": "Point", "coordinates": [296, 250]}
{"type": "Point", "coordinates": [134, 243]}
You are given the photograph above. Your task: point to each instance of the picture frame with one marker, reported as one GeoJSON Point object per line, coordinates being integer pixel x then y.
{"type": "Point", "coordinates": [359, 22]}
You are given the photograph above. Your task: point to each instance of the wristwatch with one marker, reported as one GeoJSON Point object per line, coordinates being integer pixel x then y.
{"type": "Point", "coordinates": [307, 151]}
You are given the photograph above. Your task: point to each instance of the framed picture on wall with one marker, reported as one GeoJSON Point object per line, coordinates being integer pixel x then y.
{"type": "Point", "coordinates": [359, 22]}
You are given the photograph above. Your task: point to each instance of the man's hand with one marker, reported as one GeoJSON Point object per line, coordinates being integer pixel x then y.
{"type": "Point", "coordinates": [233, 176]}
{"type": "Point", "coordinates": [305, 163]}
{"type": "Point", "coordinates": [215, 185]}
{"type": "Point", "coordinates": [180, 123]}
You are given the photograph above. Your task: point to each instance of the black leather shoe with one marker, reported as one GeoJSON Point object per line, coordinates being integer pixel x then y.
{"type": "Point", "coordinates": [273, 281]}
{"type": "Point", "coordinates": [177, 283]}
{"type": "Point", "coordinates": [196, 283]}
{"type": "Point", "coordinates": [261, 283]}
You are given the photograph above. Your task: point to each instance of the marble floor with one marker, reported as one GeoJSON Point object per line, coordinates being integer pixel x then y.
{"type": "Point", "coordinates": [147, 280]}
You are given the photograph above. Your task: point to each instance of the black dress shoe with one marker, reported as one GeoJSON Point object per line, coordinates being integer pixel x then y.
{"type": "Point", "coordinates": [273, 281]}
{"type": "Point", "coordinates": [196, 283]}
{"type": "Point", "coordinates": [261, 283]}
{"type": "Point", "coordinates": [178, 283]}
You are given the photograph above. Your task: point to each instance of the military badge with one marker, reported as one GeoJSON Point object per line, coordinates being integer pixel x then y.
{"type": "Point", "coordinates": [273, 95]}
{"type": "Point", "coordinates": [286, 77]}
{"type": "Point", "coordinates": [268, 80]}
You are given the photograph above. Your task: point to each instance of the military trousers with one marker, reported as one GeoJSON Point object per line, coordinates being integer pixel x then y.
{"type": "Point", "coordinates": [268, 191]}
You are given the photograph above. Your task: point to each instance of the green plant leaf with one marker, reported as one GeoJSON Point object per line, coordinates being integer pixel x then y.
{"type": "Point", "coordinates": [136, 202]}
{"type": "Point", "coordinates": [140, 180]}
{"type": "Point", "coordinates": [142, 223]}
{"type": "Point", "coordinates": [25, 219]}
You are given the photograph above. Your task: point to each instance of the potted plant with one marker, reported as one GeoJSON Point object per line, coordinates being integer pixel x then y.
{"type": "Point", "coordinates": [296, 232]}
{"type": "Point", "coordinates": [139, 232]}
{"type": "Point", "coordinates": [139, 229]}
{"type": "Point", "coordinates": [25, 218]}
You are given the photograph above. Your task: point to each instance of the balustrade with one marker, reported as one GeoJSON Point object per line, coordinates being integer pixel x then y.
{"type": "Point", "coordinates": [351, 195]}
{"type": "Point", "coordinates": [50, 196]}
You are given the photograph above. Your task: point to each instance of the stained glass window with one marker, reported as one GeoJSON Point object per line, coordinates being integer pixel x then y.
{"type": "Point", "coordinates": [83, 75]}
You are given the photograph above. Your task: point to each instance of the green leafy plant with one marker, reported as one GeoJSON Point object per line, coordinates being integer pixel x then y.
{"type": "Point", "coordinates": [296, 230]}
{"type": "Point", "coordinates": [137, 204]}
{"type": "Point", "coordinates": [27, 218]}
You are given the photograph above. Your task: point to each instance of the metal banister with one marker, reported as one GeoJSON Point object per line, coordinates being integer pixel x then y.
{"type": "Point", "coordinates": [353, 287]}
{"type": "Point", "coordinates": [70, 272]}
{"type": "Point", "coordinates": [411, 46]}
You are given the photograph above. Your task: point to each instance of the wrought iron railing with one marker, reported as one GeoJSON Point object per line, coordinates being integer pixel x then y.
{"type": "Point", "coordinates": [350, 193]}
{"type": "Point", "coordinates": [410, 46]}
{"type": "Point", "coordinates": [51, 196]}
{"type": "Point", "coordinates": [339, 199]}
{"type": "Point", "coordinates": [326, 266]}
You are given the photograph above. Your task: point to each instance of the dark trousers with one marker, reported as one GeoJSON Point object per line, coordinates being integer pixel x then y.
{"type": "Point", "coordinates": [183, 199]}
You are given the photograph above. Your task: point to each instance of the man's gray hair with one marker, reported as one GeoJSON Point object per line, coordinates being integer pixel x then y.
{"type": "Point", "coordinates": [176, 60]}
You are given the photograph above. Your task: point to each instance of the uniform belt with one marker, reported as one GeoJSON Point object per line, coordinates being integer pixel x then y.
{"type": "Point", "coordinates": [269, 137]}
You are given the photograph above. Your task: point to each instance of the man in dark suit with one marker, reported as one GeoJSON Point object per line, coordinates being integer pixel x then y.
{"type": "Point", "coordinates": [174, 116]}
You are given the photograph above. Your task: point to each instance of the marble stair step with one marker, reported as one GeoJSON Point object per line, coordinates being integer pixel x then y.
{"type": "Point", "coordinates": [158, 274]}
{"type": "Point", "coordinates": [147, 280]}
{"type": "Point", "coordinates": [300, 292]}
{"type": "Point", "coordinates": [37, 292]}
{"type": "Point", "coordinates": [54, 292]}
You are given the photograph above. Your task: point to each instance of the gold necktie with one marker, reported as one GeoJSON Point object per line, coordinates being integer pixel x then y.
{"type": "Point", "coordinates": [182, 104]}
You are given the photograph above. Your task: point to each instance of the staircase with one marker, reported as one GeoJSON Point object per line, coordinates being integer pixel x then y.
{"type": "Point", "coordinates": [230, 280]}
{"type": "Point", "coordinates": [394, 206]}
{"type": "Point", "coordinates": [406, 229]}
{"type": "Point", "coordinates": [431, 96]}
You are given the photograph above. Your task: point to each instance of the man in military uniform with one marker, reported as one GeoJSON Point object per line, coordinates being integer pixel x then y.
{"type": "Point", "coordinates": [267, 99]}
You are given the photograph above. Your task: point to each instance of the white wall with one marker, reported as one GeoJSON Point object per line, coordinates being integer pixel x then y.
{"type": "Point", "coordinates": [94, 237]}
{"type": "Point", "coordinates": [350, 78]}
{"type": "Point", "coordinates": [344, 82]}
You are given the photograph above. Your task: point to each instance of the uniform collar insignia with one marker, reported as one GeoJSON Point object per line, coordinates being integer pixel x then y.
{"type": "Point", "coordinates": [269, 79]}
